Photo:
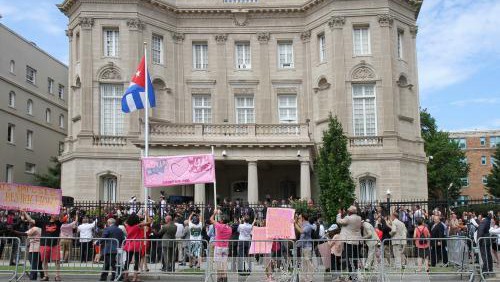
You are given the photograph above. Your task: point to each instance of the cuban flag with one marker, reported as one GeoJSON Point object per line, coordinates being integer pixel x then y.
{"type": "Point", "coordinates": [135, 95]}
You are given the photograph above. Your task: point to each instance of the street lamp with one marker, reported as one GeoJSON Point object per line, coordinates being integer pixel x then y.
{"type": "Point", "coordinates": [447, 198]}
{"type": "Point", "coordinates": [388, 193]}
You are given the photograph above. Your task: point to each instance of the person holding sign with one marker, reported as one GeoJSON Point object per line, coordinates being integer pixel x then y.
{"type": "Point", "coordinates": [351, 230]}
{"type": "Point", "coordinates": [223, 232]}
{"type": "Point", "coordinates": [305, 245]}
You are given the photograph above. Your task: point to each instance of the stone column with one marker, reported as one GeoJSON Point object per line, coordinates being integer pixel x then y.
{"type": "Point", "coordinates": [306, 98]}
{"type": "Point", "coordinates": [264, 101]}
{"type": "Point", "coordinates": [86, 59]}
{"type": "Point", "coordinates": [337, 66]}
{"type": "Point", "coordinates": [199, 193]}
{"type": "Point", "coordinates": [389, 105]}
{"type": "Point", "coordinates": [253, 182]}
{"type": "Point", "coordinates": [305, 180]}
{"type": "Point", "coordinates": [70, 88]}
{"type": "Point", "coordinates": [179, 95]}
{"type": "Point", "coordinates": [222, 95]}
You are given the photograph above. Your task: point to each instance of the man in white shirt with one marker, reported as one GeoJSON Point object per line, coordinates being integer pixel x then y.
{"type": "Point", "coordinates": [180, 246]}
{"type": "Point", "coordinates": [163, 207]}
{"type": "Point", "coordinates": [245, 231]}
{"type": "Point", "coordinates": [85, 230]}
{"type": "Point", "coordinates": [194, 247]}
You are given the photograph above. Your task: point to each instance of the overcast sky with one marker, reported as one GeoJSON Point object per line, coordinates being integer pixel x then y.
{"type": "Point", "coordinates": [458, 54]}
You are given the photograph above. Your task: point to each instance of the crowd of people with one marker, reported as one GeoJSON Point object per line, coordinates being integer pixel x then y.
{"type": "Point", "coordinates": [185, 235]}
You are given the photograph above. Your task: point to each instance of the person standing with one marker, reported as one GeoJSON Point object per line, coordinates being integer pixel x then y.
{"type": "Point", "coordinates": [398, 238]}
{"type": "Point", "coordinates": [244, 239]}
{"type": "Point", "coordinates": [421, 235]}
{"type": "Point", "coordinates": [134, 244]}
{"type": "Point", "coordinates": [110, 247]}
{"type": "Point", "coordinates": [33, 234]}
{"type": "Point", "coordinates": [223, 232]}
{"type": "Point", "coordinates": [483, 232]}
{"type": "Point", "coordinates": [85, 230]}
{"type": "Point", "coordinates": [167, 234]}
{"type": "Point", "coordinates": [195, 244]}
{"type": "Point", "coordinates": [437, 232]}
{"type": "Point", "coordinates": [178, 237]}
{"type": "Point", "coordinates": [351, 231]}
{"type": "Point", "coordinates": [305, 245]}
{"type": "Point", "coordinates": [67, 233]}
{"type": "Point", "coordinates": [372, 241]}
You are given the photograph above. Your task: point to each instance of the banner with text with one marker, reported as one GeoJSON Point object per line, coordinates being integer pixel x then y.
{"type": "Point", "coordinates": [258, 246]}
{"type": "Point", "coordinates": [178, 170]}
{"type": "Point", "coordinates": [280, 223]}
{"type": "Point", "coordinates": [30, 198]}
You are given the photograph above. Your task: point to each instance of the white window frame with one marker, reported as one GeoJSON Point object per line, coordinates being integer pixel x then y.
{"type": "Point", "coordinates": [109, 188]}
{"type": "Point", "coordinates": [494, 141]}
{"type": "Point", "coordinates": [12, 67]}
{"type": "Point", "coordinates": [368, 190]}
{"type": "Point", "coordinates": [205, 108]}
{"type": "Point", "coordinates": [12, 99]}
{"type": "Point", "coordinates": [48, 115]}
{"type": "Point", "coordinates": [289, 117]}
{"type": "Point", "coordinates": [29, 168]}
{"type": "Point", "coordinates": [247, 110]}
{"type": "Point", "coordinates": [157, 52]}
{"type": "Point", "coordinates": [243, 55]}
{"type": "Point", "coordinates": [61, 121]}
{"type": "Point", "coordinates": [30, 75]}
{"type": "Point", "coordinates": [50, 86]}
{"type": "Point", "coordinates": [322, 47]}
{"type": "Point", "coordinates": [60, 91]}
{"type": "Point", "coordinates": [111, 42]}
{"type": "Point", "coordinates": [29, 139]}
{"type": "Point", "coordinates": [465, 180]}
{"type": "Point", "coordinates": [112, 102]}
{"type": "Point", "coordinates": [364, 98]}
{"type": "Point", "coordinates": [483, 160]}
{"type": "Point", "coordinates": [9, 173]}
{"type": "Point", "coordinates": [361, 51]}
{"type": "Point", "coordinates": [11, 133]}
{"type": "Point", "coordinates": [400, 42]}
{"type": "Point", "coordinates": [484, 179]}
{"type": "Point", "coordinates": [482, 141]}
{"type": "Point", "coordinates": [29, 107]}
{"type": "Point", "coordinates": [202, 47]}
{"type": "Point", "coordinates": [285, 51]}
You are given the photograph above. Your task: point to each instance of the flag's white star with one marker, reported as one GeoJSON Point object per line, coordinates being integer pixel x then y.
{"type": "Point", "coordinates": [138, 73]}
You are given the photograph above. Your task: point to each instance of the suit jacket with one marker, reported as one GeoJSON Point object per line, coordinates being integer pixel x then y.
{"type": "Point", "coordinates": [398, 232]}
{"type": "Point", "coordinates": [484, 228]}
{"type": "Point", "coordinates": [351, 229]}
{"type": "Point", "coordinates": [369, 234]}
{"type": "Point", "coordinates": [112, 232]}
{"type": "Point", "coordinates": [168, 231]}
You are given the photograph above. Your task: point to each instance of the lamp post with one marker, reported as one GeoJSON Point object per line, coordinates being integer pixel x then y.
{"type": "Point", "coordinates": [388, 193]}
{"type": "Point", "coordinates": [448, 198]}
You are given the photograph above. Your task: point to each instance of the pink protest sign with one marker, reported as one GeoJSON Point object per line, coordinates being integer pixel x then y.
{"type": "Point", "coordinates": [30, 198]}
{"type": "Point", "coordinates": [280, 223]}
{"type": "Point", "coordinates": [259, 245]}
{"type": "Point", "coordinates": [178, 170]}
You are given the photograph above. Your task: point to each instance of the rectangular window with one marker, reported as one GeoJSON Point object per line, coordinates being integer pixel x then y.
{"type": "Point", "coordinates": [492, 160]}
{"type": "Point", "coordinates": [61, 148]}
{"type": "Point", "coordinates": [461, 142]}
{"type": "Point", "coordinates": [30, 168]}
{"type": "Point", "coordinates": [111, 42]}
{"type": "Point", "coordinates": [9, 173]}
{"type": "Point", "coordinates": [61, 121]}
{"type": "Point", "coordinates": [482, 140]}
{"type": "Point", "coordinates": [77, 47]}
{"type": "Point", "coordinates": [322, 48]}
{"type": "Point", "coordinates": [243, 55]}
{"type": "Point", "coordinates": [30, 75]}
{"type": "Point", "coordinates": [10, 133]}
{"type": "Point", "coordinates": [285, 55]}
{"type": "Point", "coordinates": [361, 38]}
{"type": "Point", "coordinates": [12, 99]}
{"type": "Point", "coordinates": [112, 117]}
{"type": "Point", "coordinates": [157, 49]}
{"type": "Point", "coordinates": [287, 108]}
{"type": "Point", "coordinates": [50, 87]}
{"type": "Point", "coordinates": [465, 181]}
{"type": "Point", "coordinates": [200, 56]}
{"type": "Point", "coordinates": [483, 160]}
{"type": "Point", "coordinates": [245, 111]}
{"type": "Point", "coordinates": [61, 91]}
{"type": "Point", "coordinates": [364, 110]}
{"type": "Point", "coordinates": [484, 179]}
{"type": "Point", "coordinates": [202, 109]}
{"type": "Point", "coordinates": [400, 43]}
{"type": "Point", "coordinates": [29, 139]}
{"type": "Point", "coordinates": [494, 141]}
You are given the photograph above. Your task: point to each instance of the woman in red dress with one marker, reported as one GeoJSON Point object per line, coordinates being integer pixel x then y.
{"type": "Point", "coordinates": [134, 245]}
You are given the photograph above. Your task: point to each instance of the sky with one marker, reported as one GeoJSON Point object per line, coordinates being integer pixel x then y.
{"type": "Point", "coordinates": [458, 49]}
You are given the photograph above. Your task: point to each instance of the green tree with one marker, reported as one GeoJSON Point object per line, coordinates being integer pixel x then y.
{"type": "Point", "coordinates": [447, 163]}
{"type": "Point", "coordinates": [53, 177]}
{"type": "Point", "coordinates": [493, 184]}
{"type": "Point", "coordinates": [332, 166]}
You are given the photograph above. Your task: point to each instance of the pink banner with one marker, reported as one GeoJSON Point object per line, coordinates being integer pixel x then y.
{"type": "Point", "coordinates": [178, 170]}
{"type": "Point", "coordinates": [30, 198]}
{"type": "Point", "coordinates": [280, 223]}
{"type": "Point", "coordinates": [262, 247]}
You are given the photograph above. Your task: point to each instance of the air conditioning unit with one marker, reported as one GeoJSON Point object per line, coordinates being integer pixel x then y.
{"type": "Point", "coordinates": [287, 65]}
{"type": "Point", "coordinates": [243, 66]}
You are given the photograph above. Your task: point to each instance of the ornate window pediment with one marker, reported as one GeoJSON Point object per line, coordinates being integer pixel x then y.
{"type": "Point", "coordinates": [363, 72]}
{"type": "Point", "coordinates": [109, 72]}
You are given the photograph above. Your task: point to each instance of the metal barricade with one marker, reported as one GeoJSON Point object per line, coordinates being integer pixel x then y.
{"type": "Point", "coordinates": [488, 246]}
{"type": "Point", "coordinates": [158, 257]}
{"type": "Point", "coordinates": [47, 256]}
{"type": "Point", "coordinates": [414, 259]}
{"type": "Point", "coordinates": [9, 257]}
{"type": "Point", "coordinates": [257, 260]}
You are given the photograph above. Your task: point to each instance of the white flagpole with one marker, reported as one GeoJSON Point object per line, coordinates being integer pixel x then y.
{"type": "Point", "coordinates": [146, 120]}
{"type": "Point", "coordinates": [215, 181]}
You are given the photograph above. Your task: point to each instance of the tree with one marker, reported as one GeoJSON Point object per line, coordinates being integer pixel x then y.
{"type": "Point", "coordinates": [447, 163]}
{"type": "Point", "coordinates": [493, 184]}
{"type": "Point", "coordinates": [332, 166]}
{"type": "Point", "coordinates": [53, 177]}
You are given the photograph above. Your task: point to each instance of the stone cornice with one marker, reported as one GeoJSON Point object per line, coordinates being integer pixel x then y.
{"type": "Point", "coordinates": [336, 22]}
{"type": "Point", "coordinates": [86, 22]}
{"type": "Point", "coordinates": [414, 31]}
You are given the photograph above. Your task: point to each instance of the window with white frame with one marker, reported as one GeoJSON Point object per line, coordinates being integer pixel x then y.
{"type": "Point", "coordinates": [61, 91]}
{"type": "Point", "coordinates": [494, 141]}
{"type": "Point", "coordinates": [465, 181]}
{"type": "Point", "coordinates": [492, 160]}
{"type": "Point", "coordinates": [364, 110]}
{"type": "Point", "coordinates": [29, 107]}
{"type": "Point", "coordinates": [12, 99]}
{"type": "Point", "coordinates": [322, 48]}
{"type": "Point", "coordinates": [461, 142]}
{"type": "Point", "coordinates": [400, 43]}
{"type": "Point", "coordinates": [109, 187]}
{"type": "Point", "coordinates": [245, 109]}
{"type": "Point", "coordinates": [287, 108]}
{"type": "Point", "coordinates": [243, 60]}
{"type": "Point", "coordinates": [285, 54]}
{"type": "Point", "coordinates": [111, 42]}
{"type": "Point", "coordinates": [30, 75]}
{"type": "Point", "coordinates": [361, 41]}
{"type": "Point", "coordinates": [9, 173]}
{"type": "Point", "coordinates": [483, 160]}
{"type": "Point", "coordinates": [50, 85]}
{"type": "Point", "coordinates": [61, 121]}
{"type": "Point", "coordinates": [30, 168]}
{"type": "Point", "coordinates": [61, 148]}
{"type": "Point", "coordinates": [11, 133]}
{"type": "Point", "coordinates": [47, 115]}
{"type": "Point", "coordinates": [202, 109]}
{"type": "Point", "coordinates": [200, 55]}
{"type": "Point", "coordinates": [29, 139]}
{"type": "Point", "coordinates": [367, 190]}
{"type": "Point", "coordinates": [112, 117]}
{"type": "Point", "coordinates": [12, 66]}
{"type": "Point", "coordinates": [484, 179]}
{"type": "Point", "coordinates": [482, 141]}
{"type": "Point", "coordinates": [157, 49]}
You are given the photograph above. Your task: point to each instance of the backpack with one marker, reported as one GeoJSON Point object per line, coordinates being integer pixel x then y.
{"type": "Point", "coordinates": [422, 238]}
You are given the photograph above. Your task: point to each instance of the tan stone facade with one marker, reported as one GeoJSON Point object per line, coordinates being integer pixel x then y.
{"type": "Point", "coordinates": [257, 81]}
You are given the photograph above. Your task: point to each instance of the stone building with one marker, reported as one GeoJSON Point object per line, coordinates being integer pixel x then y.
{"type": "Point", "coordinates": [33, 108]}
{"type": "Point", "coordinates": [256, 79]}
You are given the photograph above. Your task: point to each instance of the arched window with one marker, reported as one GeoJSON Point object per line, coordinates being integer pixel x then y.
{"type": "Point", "coordinates": [109, 184]}
{"type": "Point", "coordinates": [367, 190]}
{"type": "Point", "coordinates": [12, 99]}
{"type": "Point", "coordinates": [61, 121]}
{"type": "Point", "coordinates": [47, 115]}
{"type": "Point", "coordinates": [29, 107]}
{"type": "Point", "coordinates": [12, 67]}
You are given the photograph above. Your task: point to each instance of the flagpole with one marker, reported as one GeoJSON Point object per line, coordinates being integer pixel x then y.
{"type": "Point", "coordinates": [146, 118]}
{"type": "Point", "coordinates": [215, 181]}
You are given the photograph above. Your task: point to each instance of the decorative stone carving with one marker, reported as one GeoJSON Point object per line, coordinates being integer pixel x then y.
{"type": "Point", "coordinates": [363, 73]}
{"type": "Point", "coordinates": [110, 72]}
{"type": "Point", "coordinates": [221, 38]}
{"type": "Point", "coordinates": [385, 20]}
{"type": "Point", "coordinates": [414, 31]}
{"type": "Point", "coordinates": [306, 36]}
{"type": "Point", "coordinates": [263, 37]}
{"type": "Point", "coordinates": [86, 22]}
{"type": "Point", "coordinates": [240, 18]}
{"type": "Point", "coordinates": [178, 37]}
{"type": "Point", "coordinates": [69, 33]}
{"type": "Point", "coordinates": [336, 22]}
{"type": "Point", "coordinates": [135, 24]}
{"type": "Point", "coordinates": [323, 84]}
